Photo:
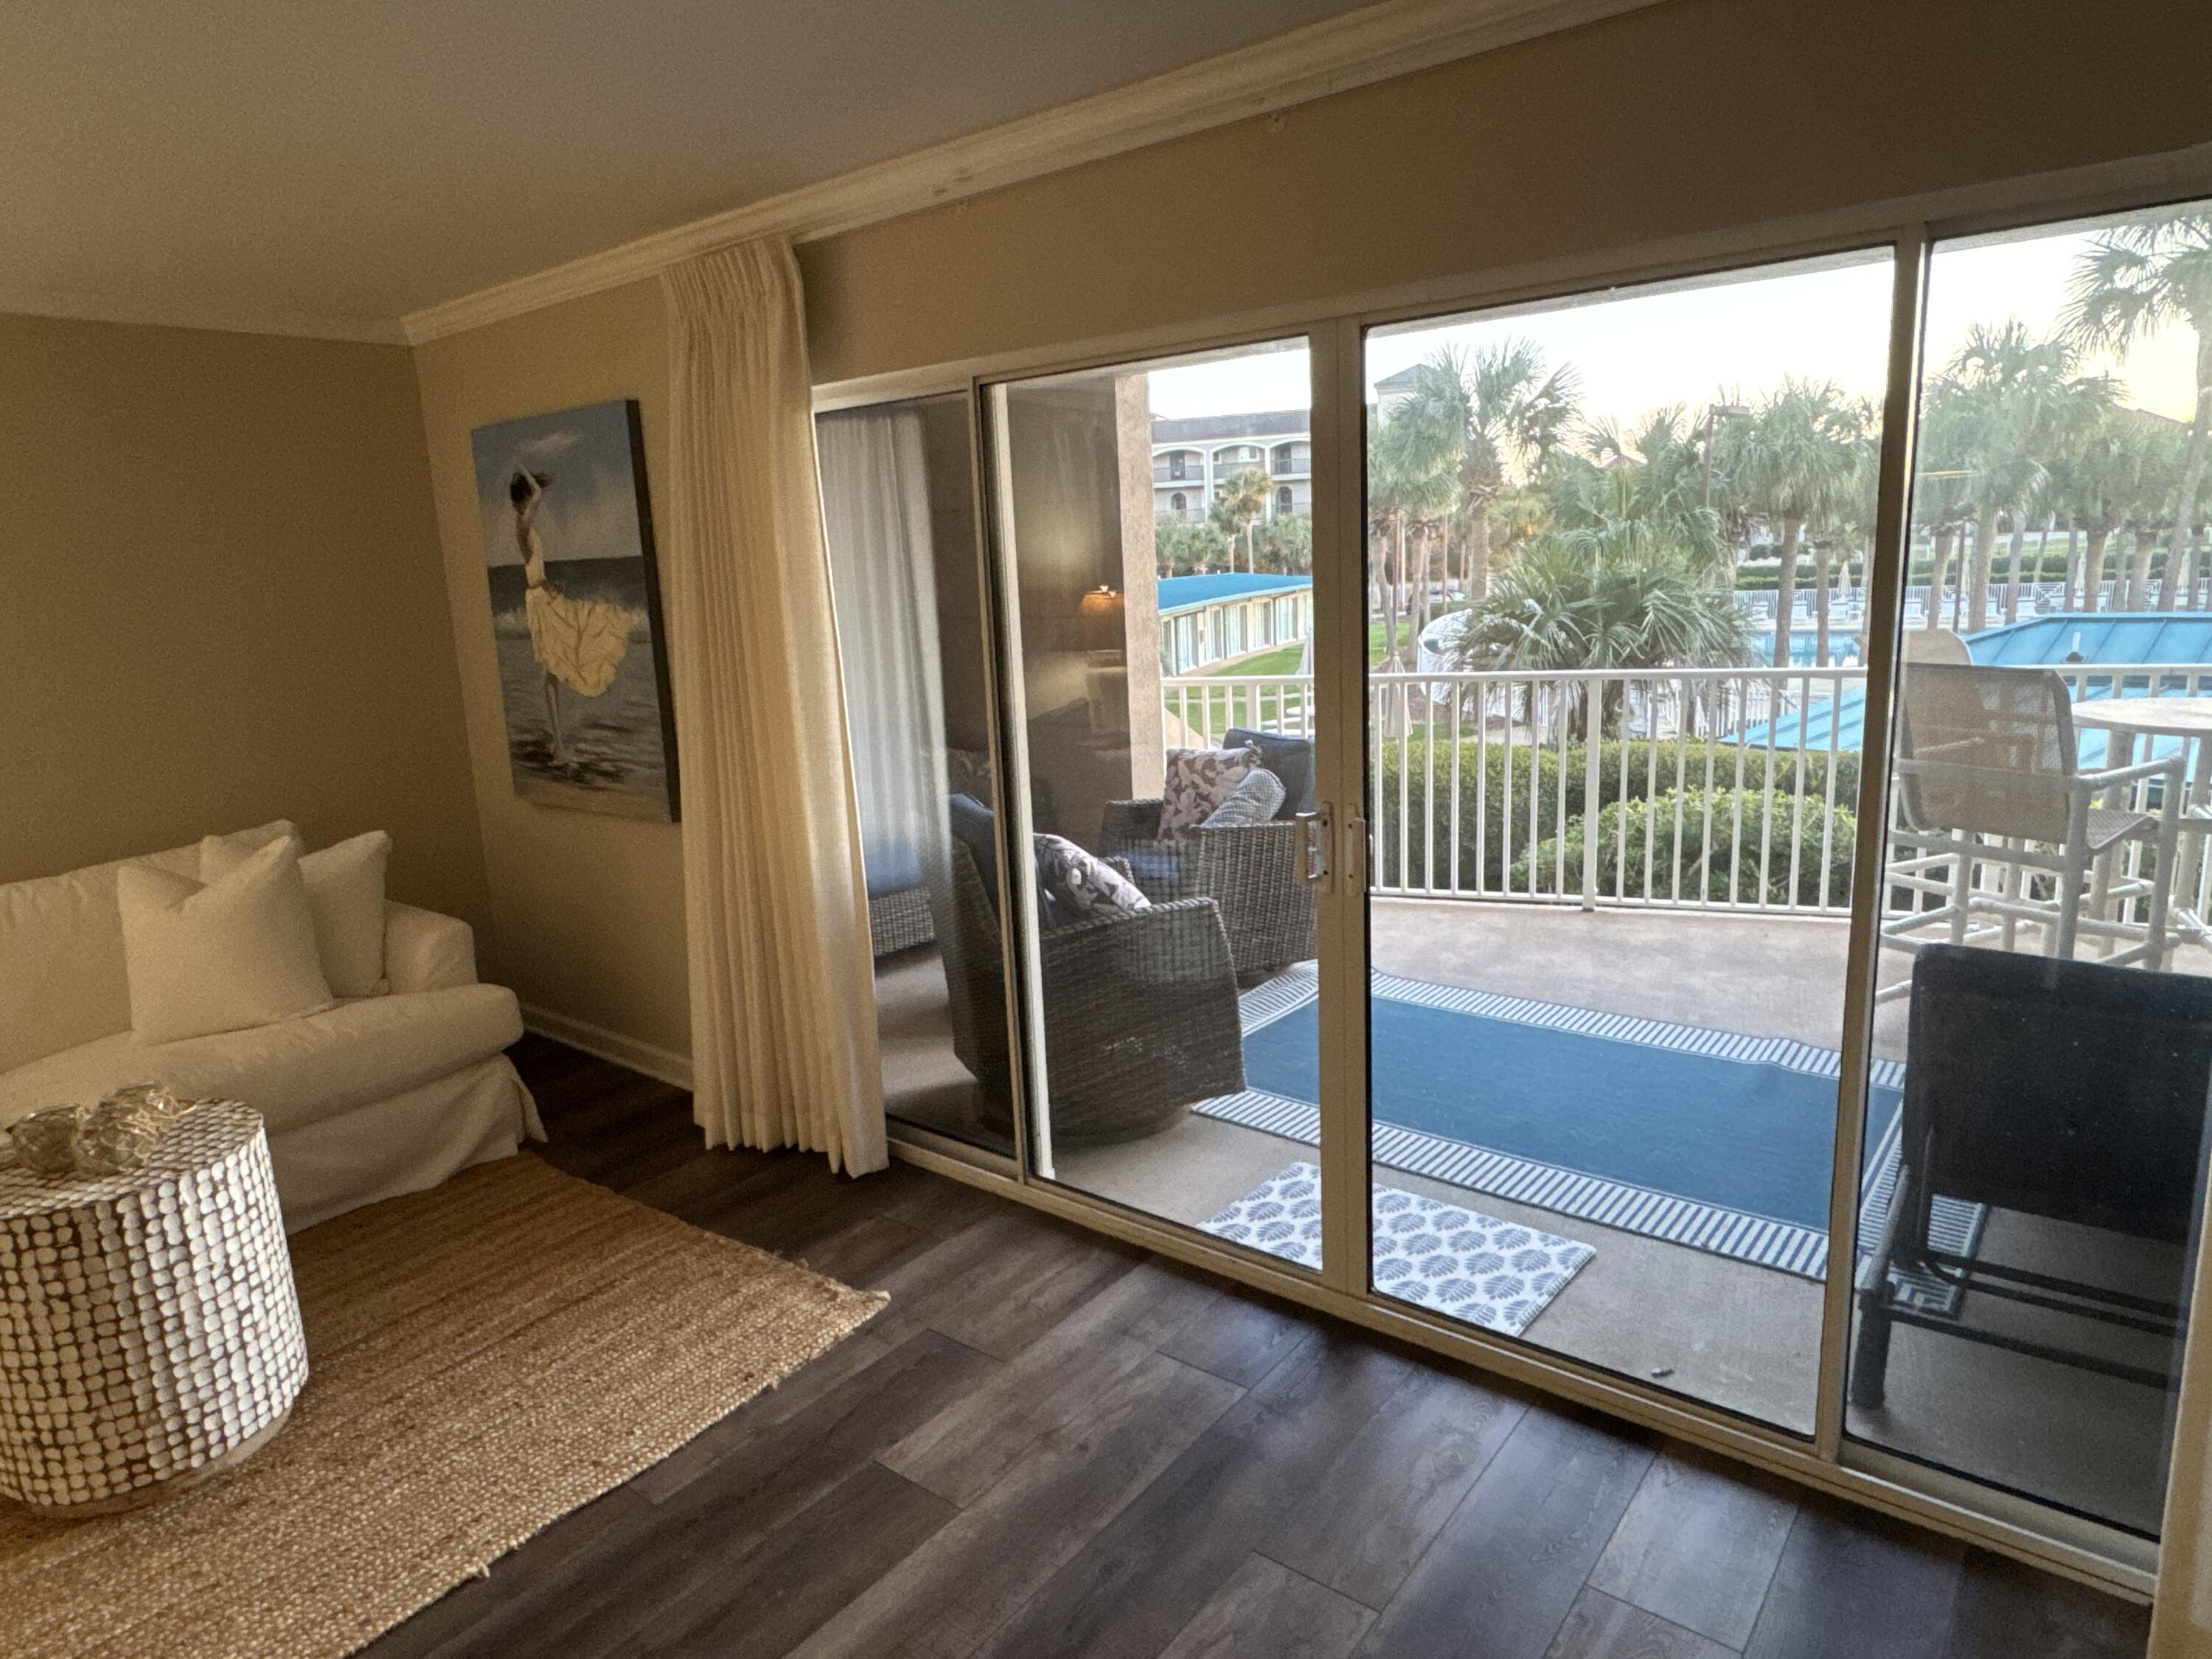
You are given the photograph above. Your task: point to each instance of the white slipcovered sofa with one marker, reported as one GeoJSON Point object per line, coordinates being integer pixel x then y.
{"type": "Point", "coordinates": [372, 1098]}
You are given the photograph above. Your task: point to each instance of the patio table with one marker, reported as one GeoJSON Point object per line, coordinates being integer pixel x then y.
{"type": "Point", "coordinates": [2189, 721]}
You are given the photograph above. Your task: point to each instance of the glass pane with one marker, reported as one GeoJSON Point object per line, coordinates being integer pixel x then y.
{"type": "Point", "coordinates": [1163, 599]}
{"type": "Point", "coordinates": [898, 505]}
{"type": "Point", "coordinates": [2044, 1035]}
{"type": "Point", "coordinates": [1616, 559]}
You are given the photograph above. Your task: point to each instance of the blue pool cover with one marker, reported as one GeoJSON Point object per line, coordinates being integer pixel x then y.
{"type": "Point", "coordinates": [2120, 639]}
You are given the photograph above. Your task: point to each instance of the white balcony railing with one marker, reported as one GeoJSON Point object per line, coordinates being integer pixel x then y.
{"type": "Point", "coordinates": [1715, 789]}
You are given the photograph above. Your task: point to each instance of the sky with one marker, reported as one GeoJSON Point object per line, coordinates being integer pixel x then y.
{"type": "Point", "coordinates": [1727, 341]}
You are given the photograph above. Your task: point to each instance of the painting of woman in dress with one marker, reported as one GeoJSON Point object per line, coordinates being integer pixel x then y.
{"type": "Point", "coordinates": [575, 611]}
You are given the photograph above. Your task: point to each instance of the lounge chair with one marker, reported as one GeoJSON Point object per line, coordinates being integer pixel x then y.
{"type": "Point", "coordinates": [1140, 1015]}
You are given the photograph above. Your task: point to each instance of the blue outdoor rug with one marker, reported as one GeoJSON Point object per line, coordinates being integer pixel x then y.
{"type": "Point", "coordinates": [1707, 1139]}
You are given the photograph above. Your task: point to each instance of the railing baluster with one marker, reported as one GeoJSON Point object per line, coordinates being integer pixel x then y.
{"type": "Point", "coordinates": [1458, 708]}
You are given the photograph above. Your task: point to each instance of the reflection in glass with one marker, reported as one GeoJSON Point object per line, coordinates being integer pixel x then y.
{"type": "Point", "coordinates": [1616, 585]}
{"type": "Point", "coordinates": [1162, 592]}
{"type": "Point", "coordinates": [898, 510]}
{"type": "Point", "coordinates": [2043, 985]}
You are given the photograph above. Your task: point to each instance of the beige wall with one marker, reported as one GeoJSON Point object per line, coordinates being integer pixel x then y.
{"type": "Point", "coordinates": [588, 909]}
{"type": "Point", "coordinates": [222, 603]}
{"type": "Point", "coordinates": [1688, 116]}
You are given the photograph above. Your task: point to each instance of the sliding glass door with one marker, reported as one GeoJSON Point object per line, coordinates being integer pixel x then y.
{"type": "Point", "coordinates": [1617, 592]}
{"type": "Point", "coordinates": [2044, 1021]}
{"type": "Point", "coordinates": [1660, 836]}
{"type": "Point", "coordinates": [1155, 530]}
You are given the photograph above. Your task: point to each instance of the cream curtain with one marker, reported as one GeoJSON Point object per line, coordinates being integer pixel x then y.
{"type": "Point", "coordinates": [883, 570]}
{"type": "Point", "coordinates": [783, 1024]}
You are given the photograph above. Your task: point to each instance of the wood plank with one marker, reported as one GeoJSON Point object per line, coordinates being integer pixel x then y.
{"type": "Point", "coordinates": [809, 1384]}
{"type": "Point", "coordinates": [1265, 1609]}
{"type": "Point", "coordinates": [1004, 1282]}
{"type": "Point", "coordinates": [2005, 1609]}
{"type": "Point", "coordinates": [1502, 1575]}
{"type": "Point", "coordinates": [537, 1567]}
{"type": "Point", "coordinates": [1395, 1484]}
{"type": "Point", "coordinates": [1699, 1544]}
{"type": "Point", "coordinates": [1226, 1329]}
{"type": "Point", "coordinates": [964, 1451]}
{"type": "Point", "coordinates": [1599, 1628]}
{"type": "Point", "coordinates": [953, 1592]}
{"type": "Point", "coordinates": [1131, 1589]}
{"type": "Point", "coordinates": [1851, 1582]}
{"type": "Point", "coordinates": [701, 1533]}
{"type": "Point", "coordinates": [799, 1575]}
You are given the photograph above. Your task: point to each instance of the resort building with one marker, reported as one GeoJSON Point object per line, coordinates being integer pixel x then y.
{"type": "Point", "coordinates": [1207, 621]}
{"type": "Point", "coordinates": [1193, 459]}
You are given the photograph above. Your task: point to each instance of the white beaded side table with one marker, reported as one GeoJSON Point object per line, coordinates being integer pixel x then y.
{"type": "Point", "coordinates": [149, 1331]}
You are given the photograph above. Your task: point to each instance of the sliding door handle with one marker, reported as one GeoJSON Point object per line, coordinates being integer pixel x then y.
{"type": "Point", "coordinates": [1313, 846]}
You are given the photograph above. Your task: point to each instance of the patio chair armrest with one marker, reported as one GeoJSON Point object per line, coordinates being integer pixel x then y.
{"type": "Point", "coordinates": [1181, 943]}
{"type": "Point", "coordinates": [2171, 767]}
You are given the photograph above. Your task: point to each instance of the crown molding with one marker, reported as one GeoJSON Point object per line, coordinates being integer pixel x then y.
{"type": "Point", "coordinates": [141, 311]}
{"type": "Point", "coordinates": [1356, 48]}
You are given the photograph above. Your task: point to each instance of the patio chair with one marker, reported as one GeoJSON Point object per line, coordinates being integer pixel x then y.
{"type": "Point", "coordinates": [2073, 1091]}
{"type": "Point", "coordinates": [1140, 1015]}
{"type": "Point", "coordinates": [1253, 873]}
{"type": "Point", "coordinates": [1987, 775]}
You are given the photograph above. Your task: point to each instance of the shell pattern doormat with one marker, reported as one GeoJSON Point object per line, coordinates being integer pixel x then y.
{"type": "Point", "coordinates": [483, 1359]}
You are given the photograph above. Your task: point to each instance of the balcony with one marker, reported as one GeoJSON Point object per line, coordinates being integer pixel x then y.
{"type": "Point", "coordinates": [1713, 905]}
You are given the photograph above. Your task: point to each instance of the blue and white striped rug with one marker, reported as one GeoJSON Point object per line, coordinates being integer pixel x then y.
{"type": "Point", "coordinates": [1786, 1246]}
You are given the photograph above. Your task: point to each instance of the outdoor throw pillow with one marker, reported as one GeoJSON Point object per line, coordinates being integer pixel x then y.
{"type": "Point", "coordinates": [1290, 759]}
{"type": "Point", "coordinates": [1198, 781]}
{"type": "Point", "coordinates": [1081, 886]}
{"type": "Point", "coordinates": [1253, 801]}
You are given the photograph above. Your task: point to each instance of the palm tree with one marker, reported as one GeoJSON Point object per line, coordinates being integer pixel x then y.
{"type": "Point", "coordinates": [1622, 594]}
{"type": "Point", "coordinates": [2010, 401]}
{"type": "Point", "coordinates": [2105, 478]}
{"type": "Point", "coordinates": [1501, 413]}
{"type": "Point", "coordinates": [1652, 473]}
{"type": "Point", "coordinates": [2137, 279]}
{"type": "Point", "coordinates": [1792, 460]}
{"type": "Point", "coordinates": [1242, 503]}
{"type": "Point", "coordinates": [1412, 488]}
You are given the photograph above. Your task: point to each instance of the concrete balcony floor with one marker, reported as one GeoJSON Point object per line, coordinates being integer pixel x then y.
{"type": "Point", "coordinates": [1726, 1332]}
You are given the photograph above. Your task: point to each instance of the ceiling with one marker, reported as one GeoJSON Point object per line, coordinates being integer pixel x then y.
{"type": "Point", "coordinates": [319, 165]}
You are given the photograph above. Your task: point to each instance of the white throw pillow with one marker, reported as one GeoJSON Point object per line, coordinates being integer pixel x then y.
{"type": "Point", "coordinates": [235, 954]}
{"type": "Point", "coordinates": [345, 895]}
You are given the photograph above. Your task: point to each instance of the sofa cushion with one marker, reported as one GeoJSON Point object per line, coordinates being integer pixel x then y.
{"type": "Point", "coordinates": [297, 1072]}
{"type": "Point", "coordinates": [62, 978]}
{"type": "Point", "coordinates": [345, 897]}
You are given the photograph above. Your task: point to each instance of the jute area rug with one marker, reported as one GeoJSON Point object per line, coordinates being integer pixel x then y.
{"type": "Point", "coordinates": [484, 1359]}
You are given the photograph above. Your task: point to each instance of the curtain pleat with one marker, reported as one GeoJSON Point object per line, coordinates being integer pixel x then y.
{"type": "Point", "coordinates": [783, 1025]}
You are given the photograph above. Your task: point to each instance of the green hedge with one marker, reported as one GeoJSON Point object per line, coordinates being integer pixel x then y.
{"type": "Point", "coordinates": [1481, 776]}
{"type": "Point", "coordinates": [1741, 818]}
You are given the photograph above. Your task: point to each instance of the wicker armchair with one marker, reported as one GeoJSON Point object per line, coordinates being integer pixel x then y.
{"type": "Point", "coordinates": [1140, 1012]}
{"type": "Point", "coordinates": [1251, 874]}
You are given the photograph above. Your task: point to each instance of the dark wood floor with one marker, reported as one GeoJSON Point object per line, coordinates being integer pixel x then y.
{"type": "Point", "coordinates": [1052, 1444]}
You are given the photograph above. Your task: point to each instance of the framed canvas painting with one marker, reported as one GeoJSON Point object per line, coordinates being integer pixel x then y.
{"type": "Point", "coordinates": [575, 611]}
